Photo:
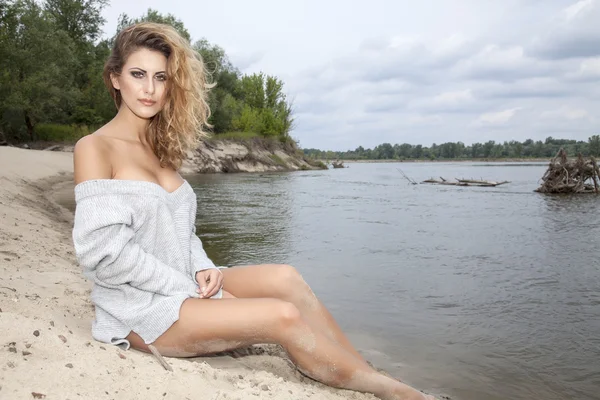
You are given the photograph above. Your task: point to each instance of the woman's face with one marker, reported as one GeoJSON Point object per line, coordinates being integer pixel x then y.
{"type": "Point", "coordinates": [142, 82]}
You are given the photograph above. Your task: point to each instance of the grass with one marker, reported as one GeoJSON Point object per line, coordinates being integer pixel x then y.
{"type": "Point", "coordinates": [278, 160]}
{"type": "Point", "coordinates": [60, 133]}
{"type": "Point", "coordinates": [316, 163]}
{"type": "Point", "coordinates": [235, 135]}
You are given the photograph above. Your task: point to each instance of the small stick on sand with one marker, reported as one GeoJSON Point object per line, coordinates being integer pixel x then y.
{"type": "Point", "coordinates": [160, 358]}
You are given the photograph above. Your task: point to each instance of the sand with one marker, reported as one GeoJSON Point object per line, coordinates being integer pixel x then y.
{"type": "Point", "coordinates": [46, 348]}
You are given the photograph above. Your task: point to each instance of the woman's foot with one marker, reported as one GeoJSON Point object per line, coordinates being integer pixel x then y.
{"type": "Point", "coordinates": [405, 392]}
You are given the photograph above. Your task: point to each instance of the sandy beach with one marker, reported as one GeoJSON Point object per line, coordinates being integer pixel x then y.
{"type": "Point", "coordinates": [45, 315]}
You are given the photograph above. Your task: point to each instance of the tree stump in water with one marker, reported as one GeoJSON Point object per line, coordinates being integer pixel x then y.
{"type": "Point", "coordinates": [571, 176]}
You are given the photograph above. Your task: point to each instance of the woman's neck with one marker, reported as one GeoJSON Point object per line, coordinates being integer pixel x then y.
{"type": "Point", "coordinates": [131, 126]}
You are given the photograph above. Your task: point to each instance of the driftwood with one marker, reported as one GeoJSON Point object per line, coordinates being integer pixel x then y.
{"type": "Point", "coordinates": [338, 164]}
{"type": "Point", "coordinates": [160, 358]}
{"type": "Point", "coordinates": [465, 182]}
{"type": "Point", "coordinates": [571, 176]}
{"type": "Point", "coordinates": [471, 182]}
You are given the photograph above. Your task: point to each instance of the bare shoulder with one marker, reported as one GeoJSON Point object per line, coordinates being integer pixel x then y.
{"type": "Point", "coordinates": [91, 159]}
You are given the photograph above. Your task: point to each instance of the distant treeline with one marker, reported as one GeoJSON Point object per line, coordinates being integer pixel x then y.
{"type": "Point", "coordinates": [458, 150]}
{"type": "Point", "coordinates": [51, 88]}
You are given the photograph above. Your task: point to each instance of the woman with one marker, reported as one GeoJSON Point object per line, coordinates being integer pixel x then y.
{"type": "Point", "coordinates": [134, 233]}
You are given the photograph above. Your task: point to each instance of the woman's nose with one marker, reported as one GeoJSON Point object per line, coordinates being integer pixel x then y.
{"type": "Point", "coordinates": [149, 86]}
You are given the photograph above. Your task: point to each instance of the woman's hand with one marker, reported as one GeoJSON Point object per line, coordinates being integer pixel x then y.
{"type": "Point", "coordinates": [210, 281]}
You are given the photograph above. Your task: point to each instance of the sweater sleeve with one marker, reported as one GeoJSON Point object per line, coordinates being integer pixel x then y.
{"type": "Point", "coordinates": [104, 246]}
{"type": "Point", "coordinates": [199, 258]}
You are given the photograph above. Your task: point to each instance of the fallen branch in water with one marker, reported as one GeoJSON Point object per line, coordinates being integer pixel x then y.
{"type": "Point", "coordinates": [412, 182]}
{"type": "Point", "coordinates": [481, 182]}
{"type": "Point", "coordinates": [465, 182]}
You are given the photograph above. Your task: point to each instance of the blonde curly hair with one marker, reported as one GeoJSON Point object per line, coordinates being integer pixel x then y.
{"type": "Point", "coordinates": [181, 123]}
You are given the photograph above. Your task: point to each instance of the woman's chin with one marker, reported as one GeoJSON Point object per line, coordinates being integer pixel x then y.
{"type": "Point", "coordinates": [145, 113]}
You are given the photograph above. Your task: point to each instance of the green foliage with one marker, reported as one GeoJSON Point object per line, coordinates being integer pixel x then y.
{"type": "Point", "coordinates": [266, 105]}
{"type": "Point", "coordinates": [248, 120]}
{"type": "Point", "coordinates": [458, 150]}
{"type": "Point", "coordinates": [278, 161]}
{"type": "Point", "coordinates": [154, 16]}
{"type": "Point", "coordinates": [316, 163]}
{"type": "Point", "coordinates": [60, 133]}
{"type": "Point", "coordinates": [37, 69]}
{"type": "Point", "coordinates": [81, 20]}
{"type": "Point", "coordinates": [594, 145]}
{"type": "Point", "coordinates": [214, 57]}
{"type": "Point", "coordinates": [237, 136]}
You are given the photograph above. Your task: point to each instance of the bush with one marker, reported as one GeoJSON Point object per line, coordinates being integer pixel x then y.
{"type": "Point", "coordinates": [234, 135]}
{"type": "Point", "coordinates": [60, 133]}
{"type": "Point", "coordinates": [316, 163]}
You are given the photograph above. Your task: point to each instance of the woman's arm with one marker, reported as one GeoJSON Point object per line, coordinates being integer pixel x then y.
{"type": "Point", "coordinates": [199, 259]}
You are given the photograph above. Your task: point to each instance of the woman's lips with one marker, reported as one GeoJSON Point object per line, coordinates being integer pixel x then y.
{"type": "Point", "coordinates": [147, 102]}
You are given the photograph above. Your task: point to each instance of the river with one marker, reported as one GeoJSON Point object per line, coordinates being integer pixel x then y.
{"type": "Point", "coordinates": [478, 293]}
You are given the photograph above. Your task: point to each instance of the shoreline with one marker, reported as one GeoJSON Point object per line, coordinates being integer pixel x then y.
{"type": "Point", "coordinates": [461, 160]}
{"type": "Point", "coordinates": [46, 314]}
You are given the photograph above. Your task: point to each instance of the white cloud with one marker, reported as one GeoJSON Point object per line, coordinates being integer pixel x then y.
{"type": "Point", "coordinates": [497, 118]}
{"type": "Point", "coordinates": [418, 119]}
{"type": "Point", "coordinates": [533, 88]}
{"type": "Point", "coordinates": [244, 61]}
{"type": "Point", "coordinates": [578, 9]}
{"type": "Point", "coordinates": [445, 102]}
{"type": "Point", "coordinates": [501, 63]}
{"type": "Point", "coordinates": [589, 69]}
{"type": "Point", "coordinates": [566, 112]}
{"type": "Point", "coordinates": [453, 98]}
{"type": "Point", "coordinates": [574, 35]}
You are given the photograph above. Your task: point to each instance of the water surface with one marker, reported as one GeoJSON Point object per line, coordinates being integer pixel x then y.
{"type": "Point", "coordinates": [479, 293]}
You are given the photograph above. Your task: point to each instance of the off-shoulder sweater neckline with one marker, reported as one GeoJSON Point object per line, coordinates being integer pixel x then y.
{"type": "Point", "coordinates": [94, 187]}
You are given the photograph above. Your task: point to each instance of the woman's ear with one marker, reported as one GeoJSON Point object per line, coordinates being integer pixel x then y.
{"type": "Point", "coordinates": [115, 81]}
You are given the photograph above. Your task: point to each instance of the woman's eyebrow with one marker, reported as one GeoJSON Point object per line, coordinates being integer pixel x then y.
{"type": "Point", "coordinates": [144, 71]}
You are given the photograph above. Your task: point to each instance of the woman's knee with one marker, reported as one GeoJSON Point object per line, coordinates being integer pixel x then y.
{"type": "Point", "coordinates": [287, 316]}
{"type": "Point", "coordinates": [288, 278]}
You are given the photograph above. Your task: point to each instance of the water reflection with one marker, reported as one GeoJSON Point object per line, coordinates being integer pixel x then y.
{"type": "Point", "coordinates": [243, 218]}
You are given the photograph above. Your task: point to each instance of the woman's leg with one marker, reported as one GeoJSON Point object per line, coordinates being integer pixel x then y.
{"type": "Point", "coordinates": [284, 282]}
{"type": "Point", "coordinates": [207, 326]}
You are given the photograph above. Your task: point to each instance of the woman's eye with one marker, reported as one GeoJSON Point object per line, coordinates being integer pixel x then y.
{"type": "Point", "coordinates": [161, 78]}
{"type": "Point", "coordinates": [137, 74]}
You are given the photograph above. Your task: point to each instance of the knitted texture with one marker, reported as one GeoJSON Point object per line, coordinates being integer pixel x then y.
{"type": "Point", "coordinates": [136, 242]}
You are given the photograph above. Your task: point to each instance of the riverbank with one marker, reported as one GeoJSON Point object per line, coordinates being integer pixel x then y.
{"type": "Point", "coordinates": [46, 314]}
{"type": "Point", "coordinates": [495, 160]}
{"type": "Point", "coordinates": [255, 154]}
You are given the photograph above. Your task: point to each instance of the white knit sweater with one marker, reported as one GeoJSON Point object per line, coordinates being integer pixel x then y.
{"type": "Point", "coordinates": [138, 244]}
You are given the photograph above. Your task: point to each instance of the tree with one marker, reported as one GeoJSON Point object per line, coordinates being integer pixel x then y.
{"type": "Point", "coordinates": [36, 79]}
{"type": "Point", "coordinates": [417, 151]}
{"type": "Point", "coordinates": [153, 16]}
{"type": "Point", "coordinates": [594, 145]}
{"type": "Point", "coordinates": [386, 151]}
{"type": "Point", "coordinates": [214, 57]}
{"type": "Point", "coordinates": [264, 95]}
{"type": "Point", "coordinates": [81, 19]}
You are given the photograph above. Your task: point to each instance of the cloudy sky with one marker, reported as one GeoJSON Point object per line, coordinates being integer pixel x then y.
{"type": "Point", "coordinates": [432, 71]}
